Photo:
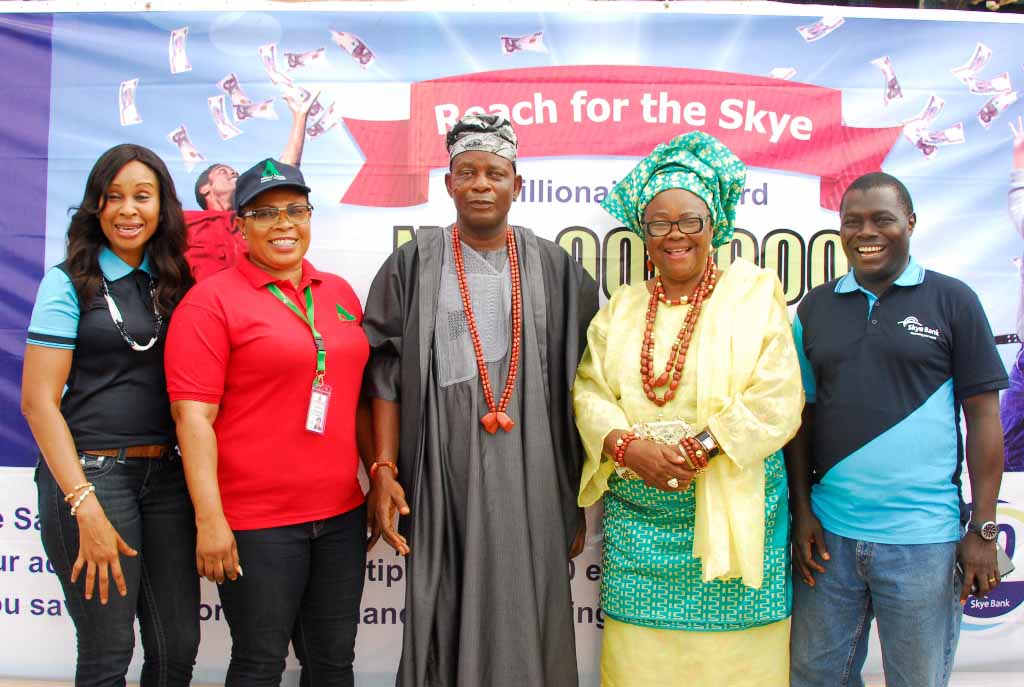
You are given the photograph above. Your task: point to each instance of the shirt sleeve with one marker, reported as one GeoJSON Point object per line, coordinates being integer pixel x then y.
{"type": "Point", "coordinates": [196, 354]}
{"type": "Point", "coordinates": [597, 407]}
{"type": "Point", "coordinates": [55, 315]}
{"type": "Point", "coordinates": [384, 322]}
{"type": "Point", "coordinates": [977, 367]}
{"type": "Point", "coordinates": [806, 371]}
{"type": "Point", "coordinates": [1015, 199]}
{"type": "Point", "coordinates": [765, 414]}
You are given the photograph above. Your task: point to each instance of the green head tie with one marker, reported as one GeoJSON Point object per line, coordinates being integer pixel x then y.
{"type": "Point", "coordinates": [696, 162]}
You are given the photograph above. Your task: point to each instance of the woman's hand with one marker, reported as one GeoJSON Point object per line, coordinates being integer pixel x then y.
{"type": "Point", "coordinates": [1018, 143]}
{"type": "Point", "coordinates": [216, 551]}
{"type": "Point", "coordinates": [384, 503]}
{"type": "Point", "coordinates": [657, 464]}
{"type": "Point", "coordinates": [99, 551]}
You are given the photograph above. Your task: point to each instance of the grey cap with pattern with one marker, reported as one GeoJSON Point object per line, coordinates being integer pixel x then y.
{"type": "Point", "coordinates": [488, 132]}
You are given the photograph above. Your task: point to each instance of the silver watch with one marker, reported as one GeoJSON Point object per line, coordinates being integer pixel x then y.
{"type": "Point", "coordinates": [987, 530]}
{"type": "Point", "coordinates": [705, 439]}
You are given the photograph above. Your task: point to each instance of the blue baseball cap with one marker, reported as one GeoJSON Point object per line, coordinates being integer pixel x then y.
{"type": "Point", "coordinates": [265, 175]}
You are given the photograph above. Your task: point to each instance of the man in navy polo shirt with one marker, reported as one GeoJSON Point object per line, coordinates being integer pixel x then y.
{"type": "Point", "coordinates": [890, 353]}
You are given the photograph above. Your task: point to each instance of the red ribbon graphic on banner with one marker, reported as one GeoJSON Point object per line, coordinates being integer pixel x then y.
{"type": "Point", "coordinates": [620, 111]}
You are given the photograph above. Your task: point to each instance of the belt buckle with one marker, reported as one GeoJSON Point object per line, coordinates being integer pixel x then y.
{"type": "Point", "coordinates": [85, 458]}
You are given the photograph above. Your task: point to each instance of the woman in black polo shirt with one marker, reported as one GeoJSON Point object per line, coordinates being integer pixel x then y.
{"type": "Point", "coordinates": [114, 507]}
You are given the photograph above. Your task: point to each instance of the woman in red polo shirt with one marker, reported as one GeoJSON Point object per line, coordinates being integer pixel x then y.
{"type": "Point", "coordinates": [264, 363]}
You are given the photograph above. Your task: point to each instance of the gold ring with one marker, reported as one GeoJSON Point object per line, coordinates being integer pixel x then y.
{"type": "Point", "coordinates": [992, 579]}
{"type": "Point", "coordinates": [673, 483]}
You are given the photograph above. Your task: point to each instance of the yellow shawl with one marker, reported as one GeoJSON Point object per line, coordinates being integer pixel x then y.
{"type": "Point", "coordinates": [748, 394]}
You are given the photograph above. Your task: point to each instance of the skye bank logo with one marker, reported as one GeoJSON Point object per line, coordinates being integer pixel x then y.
{"type": "Point", "coordinates": [915, 328]}
{"type": "Point", "coordinates": [1005, 602]}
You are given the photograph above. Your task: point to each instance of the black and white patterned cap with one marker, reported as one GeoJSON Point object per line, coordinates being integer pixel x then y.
{"type": "Point", "coordinates": [488, 132]}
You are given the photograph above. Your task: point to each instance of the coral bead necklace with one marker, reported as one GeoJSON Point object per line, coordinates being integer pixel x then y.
{"type": "Point", "coordinates": [497, 417]}
{"type": "Point", "coordinates": [677, 357]}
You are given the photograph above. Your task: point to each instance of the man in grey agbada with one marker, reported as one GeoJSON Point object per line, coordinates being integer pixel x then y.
{"type": "Point", "coordinates": [474, 433]}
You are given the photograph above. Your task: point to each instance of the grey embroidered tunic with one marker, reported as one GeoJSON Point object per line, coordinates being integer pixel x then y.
{"type": "Point", "coordinates": [493, 516]}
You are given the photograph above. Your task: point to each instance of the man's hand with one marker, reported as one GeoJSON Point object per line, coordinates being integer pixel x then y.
{"type": "Point", "coordinates": [301, 109]}
{"type": "Point", "coordinates": [808, 538]}
{"type": "Point", "coordinates": [977, 559]}
{"type": "Point", "coordinates": [384, 503]}
{"type": "Point", "coordinates": [580, 540]}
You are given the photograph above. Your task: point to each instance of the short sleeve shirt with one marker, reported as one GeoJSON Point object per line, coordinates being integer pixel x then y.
{"type": "Point", "coordinates": [887, 376]}
{"type": "Point", "coordinates": [213, 242]}
{"type": "Point", "coordinates": [233, 344]}
{"type": "Point", "coordinates": [115, 397]}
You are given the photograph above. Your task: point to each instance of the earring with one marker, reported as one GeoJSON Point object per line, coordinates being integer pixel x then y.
{"type": "Point", "coordinates": [650, 266]}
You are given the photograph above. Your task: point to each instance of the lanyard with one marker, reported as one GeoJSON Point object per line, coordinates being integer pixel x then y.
{"type": "Point", "coordinates": [321, 352]}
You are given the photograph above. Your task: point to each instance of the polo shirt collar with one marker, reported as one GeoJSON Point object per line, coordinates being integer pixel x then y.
{"type": "Point", "coordinates": [912, 275]}
{"type": "Point", "coordinates": [115, 268]}
{"type": "Point", "coordinates": [259, 279]}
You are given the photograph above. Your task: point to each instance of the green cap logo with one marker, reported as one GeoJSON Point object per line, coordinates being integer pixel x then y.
{"type": "Point", "coordinates": [269, 170]}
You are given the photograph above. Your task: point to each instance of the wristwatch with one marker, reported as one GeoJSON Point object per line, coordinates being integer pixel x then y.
{"type": "Point", "coordinates": [707, 441]}
{"type": "Point", "coordinates": [986, 530]}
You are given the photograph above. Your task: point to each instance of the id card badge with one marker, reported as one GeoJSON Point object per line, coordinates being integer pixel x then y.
{"type": "Point", "coordinates": [316, 417]}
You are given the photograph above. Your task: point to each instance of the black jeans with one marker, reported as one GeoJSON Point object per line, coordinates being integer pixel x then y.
{"type": "Point", "coordinates": [300, 583]}
{"type": "Point", "coordinates": [147, 502]}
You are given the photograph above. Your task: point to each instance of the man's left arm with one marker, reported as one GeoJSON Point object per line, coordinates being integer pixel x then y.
{"type": "Point", "coordinates": [292, 153]}
{"type": "Point", "coordinates": [985, 466]}
{"type": "Point", "coordinates": [978, 375]}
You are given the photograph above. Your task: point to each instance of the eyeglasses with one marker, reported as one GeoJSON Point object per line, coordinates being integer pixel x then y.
{"type": "Point", "coordinates": [297, 213]}
{"type": "Point", "coordinates": [687, 225]}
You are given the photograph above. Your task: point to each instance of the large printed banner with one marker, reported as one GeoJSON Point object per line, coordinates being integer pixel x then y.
{"type": "Point", "coordinates": [794, 127]}
{"type": "Point", "coordinates": [808, 101]}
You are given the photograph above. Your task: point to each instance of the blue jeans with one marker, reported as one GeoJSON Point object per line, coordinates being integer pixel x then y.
{"type": "Point", "coordinates": [300, 584]}
{"type": "Point", "coordinates": [912, 590]}
{"type": "Point", "coordinates": [147, 502]}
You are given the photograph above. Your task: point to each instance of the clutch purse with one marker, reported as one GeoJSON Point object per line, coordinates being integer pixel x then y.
{"type": "Point", "coordinates": [668, 432]}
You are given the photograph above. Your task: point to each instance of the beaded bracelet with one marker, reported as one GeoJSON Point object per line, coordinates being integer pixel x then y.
{"type": "Point", "coordinates": [700, 453]}
{"type": "Point", "coordinates": [695, 453]}
{"type": "Point", "coordinates": [686, 455]}
{"type": "Point", "coordinates": [74, 507]}
{"type": "Point", "coordinates": [621, 444]}
{"type": "Point", "coordinates": [383, 464]}
{"type": "Point", "coordinates": [73, 494]}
